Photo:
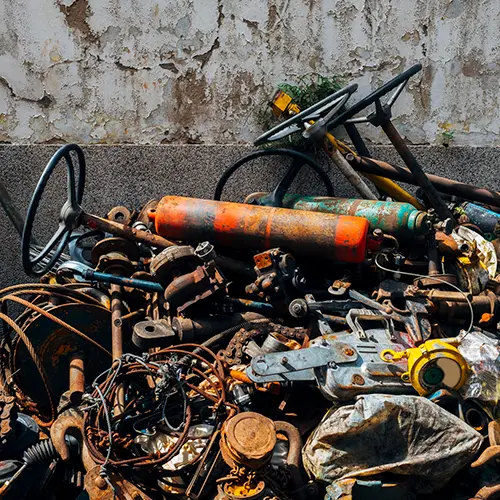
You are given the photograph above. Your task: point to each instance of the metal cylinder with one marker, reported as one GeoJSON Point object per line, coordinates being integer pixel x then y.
{"type": "Point", "coordinates": [336, 237]}
{"type": "Point", "coordinates": [76, 379]}
{"type": "Point", "coordinates": [399, 219]}
{"type": "Point", "coordinates": [485, 219]}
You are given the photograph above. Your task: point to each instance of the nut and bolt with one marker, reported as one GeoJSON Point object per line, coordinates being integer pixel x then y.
{"type": "Point", "coordinates": [348, 351]}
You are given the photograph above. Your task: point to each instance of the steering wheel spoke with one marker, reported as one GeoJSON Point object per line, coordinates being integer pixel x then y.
{"type": "Point", "coordinates": [71, 179]}
{"type": "Point", "coordinates": [275, 198]}
{"type": "Point", "coordinates": [70, 212]}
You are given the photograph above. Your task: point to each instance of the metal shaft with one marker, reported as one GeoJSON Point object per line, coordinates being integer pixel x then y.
{"type": "Point", "coordinates": [416, 169]}
{"type": "Point", "coordinates": [12, 212]}
{"type": "Point", "coordinates": [117, 340]}
{"type": "Point", "coordinates": [76, 379]}
{"type": "Point", "coordinates": [448, 186]}
{"type": "Point", "coordinates": [123, 231]}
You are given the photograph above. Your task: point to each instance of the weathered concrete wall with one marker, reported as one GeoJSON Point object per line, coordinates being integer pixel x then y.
{"type": "Point", "coordinates": [194, 71]}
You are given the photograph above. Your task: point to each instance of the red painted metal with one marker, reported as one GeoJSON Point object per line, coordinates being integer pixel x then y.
{"type": "Point", "coordinates": [336, 237]}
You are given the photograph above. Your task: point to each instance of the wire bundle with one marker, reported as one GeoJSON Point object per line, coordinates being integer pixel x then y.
{"type": "Point", "coordinates": [163, 391]}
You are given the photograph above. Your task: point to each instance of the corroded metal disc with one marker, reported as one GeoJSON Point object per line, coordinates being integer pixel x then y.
{"type": "Point", "coordinates": [55, 345]}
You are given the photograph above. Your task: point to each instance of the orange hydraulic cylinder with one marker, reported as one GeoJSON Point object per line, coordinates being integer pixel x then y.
{"type": "Point", "coordinates": [336, 237]}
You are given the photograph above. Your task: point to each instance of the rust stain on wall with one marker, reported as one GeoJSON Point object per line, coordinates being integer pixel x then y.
{"type": "Point", "coordinates": [76, 17]}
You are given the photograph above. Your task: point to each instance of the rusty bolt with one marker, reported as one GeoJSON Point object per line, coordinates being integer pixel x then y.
{"type": "Point", "coordinates": [358, 379]}
{"type": "Point", "coordinates": [284, 360]}
{"type": "Point", "coordinates": [348, 351]}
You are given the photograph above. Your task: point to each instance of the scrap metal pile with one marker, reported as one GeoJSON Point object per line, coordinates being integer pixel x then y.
{"type": "Point", "coordinates": [289, 347]}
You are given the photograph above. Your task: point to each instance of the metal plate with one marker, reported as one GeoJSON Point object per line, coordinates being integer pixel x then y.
{"type": "Point", "coordinates": [55, 345]}
{"type": "Point", "coordinates": [299, 364]}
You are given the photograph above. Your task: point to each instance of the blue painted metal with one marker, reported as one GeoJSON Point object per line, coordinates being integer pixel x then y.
{"type": "Point", "coordinates": [483, 218]}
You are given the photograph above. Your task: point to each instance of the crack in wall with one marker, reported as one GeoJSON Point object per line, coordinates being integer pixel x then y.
{"type": "Point", "coordinates": [205, 57]}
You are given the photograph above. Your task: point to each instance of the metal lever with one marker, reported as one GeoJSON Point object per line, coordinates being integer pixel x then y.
{"type": "Point", "coordinates": [90, 274]}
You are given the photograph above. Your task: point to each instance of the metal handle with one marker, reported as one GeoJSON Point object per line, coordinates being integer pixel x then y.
{"type": "Point", "coordinates": [354, 316]}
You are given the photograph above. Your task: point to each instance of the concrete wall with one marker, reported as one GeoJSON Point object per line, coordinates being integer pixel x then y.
{"type": "Point", "coordinates": [194, 71]}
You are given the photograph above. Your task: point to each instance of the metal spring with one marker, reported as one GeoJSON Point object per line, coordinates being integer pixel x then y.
{"type": "Point", "coordinates": [40, 452]}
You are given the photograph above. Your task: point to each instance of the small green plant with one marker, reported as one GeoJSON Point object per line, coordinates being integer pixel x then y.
{"type": "Point", "coordinates": [446, 134]}
{"type": "Point", "coordinates": [311, 88]}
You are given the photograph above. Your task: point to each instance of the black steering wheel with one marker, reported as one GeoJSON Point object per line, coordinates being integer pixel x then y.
{"type": "Point", "coordinates": [320, 112]}
{"type": "Point", "coordinates": [398, 82]}
{"type": "Point", "coordinates": [68, 217]}
{"type": "Point", "coordinates": [275, 198]}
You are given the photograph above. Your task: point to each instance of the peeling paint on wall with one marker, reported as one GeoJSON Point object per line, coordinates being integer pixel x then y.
{"type": "Point", "coordinates": [194, 71]}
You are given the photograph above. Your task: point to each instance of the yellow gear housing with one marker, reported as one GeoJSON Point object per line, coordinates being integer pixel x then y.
{"type": "Point", "coordinates": [434, 364]}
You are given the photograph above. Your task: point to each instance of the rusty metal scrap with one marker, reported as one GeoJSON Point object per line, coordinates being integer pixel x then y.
{"type": "Point", "coordinates": [190, 347]}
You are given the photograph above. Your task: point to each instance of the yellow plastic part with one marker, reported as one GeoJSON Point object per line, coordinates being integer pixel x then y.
{"type": "Point", "coordinates": [434, 364]}
{"type": "Point", "coordinates": [282, 103]}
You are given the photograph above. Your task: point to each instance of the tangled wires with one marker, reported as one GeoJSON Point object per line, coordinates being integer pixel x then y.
{"type": "Point", "coordinates": [161, 393]}
{"type": "Point", "coordinates": [13, 334]}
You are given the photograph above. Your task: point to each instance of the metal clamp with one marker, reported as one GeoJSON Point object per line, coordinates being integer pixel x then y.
{"type": "Point", "coordinates": [354, 316]}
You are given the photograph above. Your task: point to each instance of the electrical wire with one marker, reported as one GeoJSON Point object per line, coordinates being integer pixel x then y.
{"type": "Point", "coordinates": [471, 324]}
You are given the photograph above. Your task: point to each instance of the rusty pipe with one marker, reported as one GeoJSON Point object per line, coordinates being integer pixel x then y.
{"type": "Point", "coordinates": [127, 232]}
{"type": "Point", "coordinates": [294, 451]}
{"type": "Point", "coordinates": [336, 237]}
{"type": "Point", "coordinates": [442, 184]}
{"type": "Point", "coordinates": [117, 340]}
{"type": "Point", "coordinates": [488, 492]}
{"type": "Point", "coordinates": [76, 379]}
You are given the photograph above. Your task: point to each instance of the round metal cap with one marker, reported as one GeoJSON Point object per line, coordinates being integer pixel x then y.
{"type": "Point", "coordinates": [251, 435]}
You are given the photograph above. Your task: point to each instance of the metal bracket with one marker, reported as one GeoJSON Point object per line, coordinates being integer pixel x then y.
{"type": "Point", "coordinates": [299, 364]}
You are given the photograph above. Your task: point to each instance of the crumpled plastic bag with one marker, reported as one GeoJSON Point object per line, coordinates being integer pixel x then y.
{"type": "Point", "coordinates": [195, 445]}
{"type": "Point", "coordinates": [407, 435]}
{"type": "Point", "coordinates": [485, 248]}
{"type": "Point", "coordinates": [482, 354]}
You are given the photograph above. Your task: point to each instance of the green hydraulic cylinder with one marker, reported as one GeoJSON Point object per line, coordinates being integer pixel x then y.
{"type": "Point", "coordinates": [397, 219]}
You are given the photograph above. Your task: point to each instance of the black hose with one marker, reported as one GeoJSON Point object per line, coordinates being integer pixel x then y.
{"type": "Point", "coordinates": [43, 451]}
